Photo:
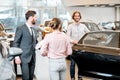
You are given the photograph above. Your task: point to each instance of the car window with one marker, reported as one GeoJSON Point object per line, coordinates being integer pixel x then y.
{"type": "Point", "coordinates": [91, 26]}
{"type": "Point", "coordinates": [102, 39]}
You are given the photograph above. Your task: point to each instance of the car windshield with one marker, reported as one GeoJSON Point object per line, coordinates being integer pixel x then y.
{"type": "Point", "coordinates": [91, 26]}
{"type": "Point", "coordinates": [109, 39]}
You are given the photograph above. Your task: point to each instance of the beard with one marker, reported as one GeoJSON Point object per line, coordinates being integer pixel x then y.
{"type": "Point", "coordinates": [33, 22]}
{"type": "Point", "coordinates": [76, 20]}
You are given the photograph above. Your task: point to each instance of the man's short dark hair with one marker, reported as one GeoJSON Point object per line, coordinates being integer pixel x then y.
{"type": "Point", "coordinates": [29, 13]}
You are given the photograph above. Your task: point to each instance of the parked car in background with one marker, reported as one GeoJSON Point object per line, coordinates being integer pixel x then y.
{"type": "Point", "coordinates": [99, 55]}
{"type": "Point", "coordinates": [92, 26]}
{"type": "Point", "coordinates": [111, 25]}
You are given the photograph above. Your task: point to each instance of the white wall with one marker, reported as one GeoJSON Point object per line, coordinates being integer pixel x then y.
{"type": "Point", "coordinates": [95, 14]}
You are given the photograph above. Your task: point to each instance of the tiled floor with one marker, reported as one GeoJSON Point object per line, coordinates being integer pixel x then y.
{"type": "Point", "coordinates": [68, 74]}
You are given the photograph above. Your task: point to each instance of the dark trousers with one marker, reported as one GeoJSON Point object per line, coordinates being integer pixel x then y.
{"type": "Point", "coordinates": [28, 70]}
{"type": "Point", "coordinates": [72, 65]}
{"type": "Point", "coordinates": [72, 68]}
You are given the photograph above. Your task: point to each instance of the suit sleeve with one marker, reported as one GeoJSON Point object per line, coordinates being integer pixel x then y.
{"type": "Point", "coordinates": [18, 37]}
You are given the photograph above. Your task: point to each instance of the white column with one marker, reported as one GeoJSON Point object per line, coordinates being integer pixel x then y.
{"type": "Point", "coordinates": [117, 13]}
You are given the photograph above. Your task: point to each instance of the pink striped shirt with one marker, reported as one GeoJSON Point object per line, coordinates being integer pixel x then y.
{"type": "Point", "coordinates": [56, 45]}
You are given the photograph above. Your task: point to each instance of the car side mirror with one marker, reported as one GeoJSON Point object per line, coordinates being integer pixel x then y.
{"type": "Point", "coordinates": [13, 52]}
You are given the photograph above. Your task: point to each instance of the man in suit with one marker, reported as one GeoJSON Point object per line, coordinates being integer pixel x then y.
{"type": "Point", "coordinates": [26, 38]}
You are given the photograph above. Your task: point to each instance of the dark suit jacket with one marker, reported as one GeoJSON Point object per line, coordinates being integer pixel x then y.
{"type": "Point", "coordinates": [23, 39]}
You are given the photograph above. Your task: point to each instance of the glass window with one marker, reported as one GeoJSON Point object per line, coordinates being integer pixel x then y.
{"type": "Point", "coordinates": [109, 39]}
{"type": "Point", "coordinates": [12, 11]}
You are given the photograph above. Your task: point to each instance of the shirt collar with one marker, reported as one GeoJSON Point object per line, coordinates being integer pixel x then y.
{"type": "Point", "coordinates": [28, 25]}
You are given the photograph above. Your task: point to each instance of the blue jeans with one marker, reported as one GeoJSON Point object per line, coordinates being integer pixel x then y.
{"type": "Point", "coordinates": [72, 66]}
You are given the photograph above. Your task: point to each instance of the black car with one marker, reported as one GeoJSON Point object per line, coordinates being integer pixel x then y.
{"type": "Point", "coordinates": [99, 55]}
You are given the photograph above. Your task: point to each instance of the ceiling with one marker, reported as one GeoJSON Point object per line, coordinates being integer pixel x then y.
{"type": "Point", "coordinates": [98, 5]}
{"type": "Point", "coordinates": [92, 3]}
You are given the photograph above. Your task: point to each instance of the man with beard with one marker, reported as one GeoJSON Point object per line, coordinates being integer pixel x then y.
{"type": "Point", "coordinates": [76, 30]}
{"type": "Point", "coordinates": [25, 38]}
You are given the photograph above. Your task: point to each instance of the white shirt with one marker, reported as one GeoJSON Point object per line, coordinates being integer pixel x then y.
{"type": "Point", "coordinates": [29, 28]}
{"type": "Point", "coordinates": [76, 31]}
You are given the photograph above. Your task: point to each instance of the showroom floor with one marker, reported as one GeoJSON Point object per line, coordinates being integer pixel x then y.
{"type": "Point", "coordinates": [68, 76]}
